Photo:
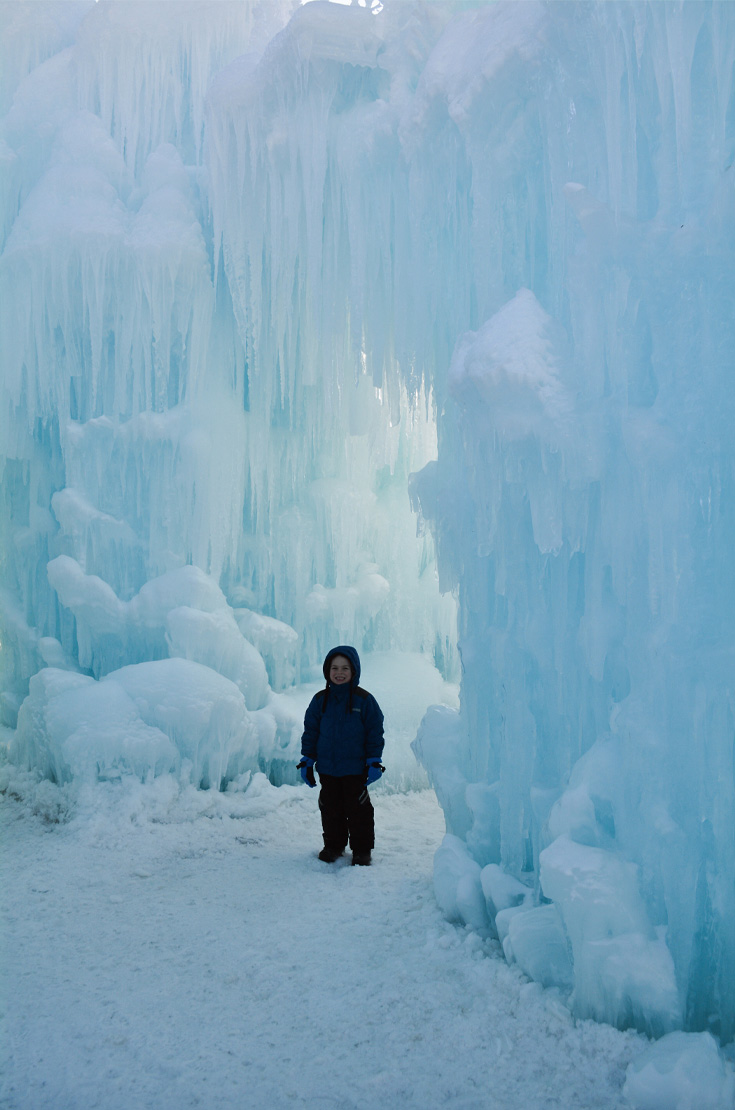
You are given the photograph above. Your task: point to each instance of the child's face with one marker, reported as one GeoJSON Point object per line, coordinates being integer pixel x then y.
{"type": "Point", "coordinates": [340, 670]}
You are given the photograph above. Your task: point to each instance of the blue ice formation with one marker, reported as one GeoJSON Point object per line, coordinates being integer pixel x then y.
{"type": "Point", "coordinates": [181, 480]}
{"type": "Point", "coordinates": [582, 503]}
{"type": "Point", "coordinates": [261, 263]}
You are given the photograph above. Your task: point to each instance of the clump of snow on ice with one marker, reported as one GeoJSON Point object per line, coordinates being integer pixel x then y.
{"type": "Point", "coordinates": [682, 1071]}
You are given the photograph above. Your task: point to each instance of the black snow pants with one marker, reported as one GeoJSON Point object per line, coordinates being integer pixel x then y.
{"type": "Point", "coordinates": [347, 813]}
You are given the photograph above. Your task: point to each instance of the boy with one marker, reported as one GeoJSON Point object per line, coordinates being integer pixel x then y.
{"type": "Point", "coordinates": [343, 739]}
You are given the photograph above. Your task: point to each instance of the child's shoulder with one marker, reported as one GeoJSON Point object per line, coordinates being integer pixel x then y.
{"type": "Point", "coordinates": [367, 698]}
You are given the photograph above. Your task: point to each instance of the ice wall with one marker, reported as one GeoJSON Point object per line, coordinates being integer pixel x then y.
{"type": "Point", "coordinates": [146, 426]}
{"type": "Point", "coordinates": [582, 499]}
{"type": "Point", "coordinates": [520, 214]}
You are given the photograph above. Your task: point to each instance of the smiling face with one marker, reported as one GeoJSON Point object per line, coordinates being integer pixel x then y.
{"type": "Point", "coordinates": [340, 670]}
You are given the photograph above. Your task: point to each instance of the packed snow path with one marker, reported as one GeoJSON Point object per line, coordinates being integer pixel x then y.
{"type": "Point", "coordinates": [161, 952]}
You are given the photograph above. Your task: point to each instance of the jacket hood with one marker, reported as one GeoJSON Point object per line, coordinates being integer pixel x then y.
{"type": "Point", "coordinates": [349, 653]}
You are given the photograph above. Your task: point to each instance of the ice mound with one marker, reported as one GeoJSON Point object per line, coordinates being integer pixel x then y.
{"type": "Point", "coordinates": [199, 701]}
{"type": "Point", "coordinates": [182, 614]}
{"type": "Point", "coordinates": [147, 719]}
{"type": "Point", "coordinates": [277, 643]}
{"type": "Point", "coordinates": [537, 942]}
{"type": "Point", "coordinates": [457, 884]}
{"type": "Point", "coordinates": [682, 1071]}
{"type": "Point", "coordinates": [623, 969]}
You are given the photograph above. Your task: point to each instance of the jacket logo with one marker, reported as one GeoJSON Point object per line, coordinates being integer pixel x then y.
{"type": "Point", "coordinates": [355, 709]}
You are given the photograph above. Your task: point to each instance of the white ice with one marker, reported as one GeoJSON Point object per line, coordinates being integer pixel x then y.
{"type": "Point", "coordinates": [682, 1071]}
{"type": "Point", "coordinates": [201, 954]}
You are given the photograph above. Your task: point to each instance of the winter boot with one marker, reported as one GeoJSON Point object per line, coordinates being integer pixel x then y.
{"type": "Point", "coordinates": [362, 859]}
{"type": "Point", "coordinates": [329, 855]}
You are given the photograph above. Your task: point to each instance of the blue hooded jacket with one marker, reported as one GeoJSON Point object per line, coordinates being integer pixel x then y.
{"type": "Point", "coordinates": [343, 726]}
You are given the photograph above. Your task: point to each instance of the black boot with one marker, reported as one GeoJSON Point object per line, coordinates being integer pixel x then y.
{"type": "Point", "coordinates": [329, 855]}
{"type": "Point", "coordinates": [362, 859]}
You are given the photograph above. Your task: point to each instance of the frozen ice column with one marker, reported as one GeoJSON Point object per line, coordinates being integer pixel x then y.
{"type": "Point", "coordinates": [581, 498]}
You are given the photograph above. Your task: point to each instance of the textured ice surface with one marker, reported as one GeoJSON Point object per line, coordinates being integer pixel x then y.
{"type": "Point", "coordinates": [537, 942]}
{"type": "Point", "coordinates": [623, 967]}
{"type": "Point", "coordinates": [582, 497]}
{"type": "Point", "coordinates": [263, 262]}
{"type": "Point", "coordinates": [682, 1071]}
{"type": "Point", "coordinates": [145, 719]}
{"type": "Point", "coordinates": [143, 436]}
{"type": "Point", "coordinates": [457, 884]}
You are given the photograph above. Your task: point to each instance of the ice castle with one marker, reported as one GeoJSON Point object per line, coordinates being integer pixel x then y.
{"type": "Point", "coordinates": [268, 272]}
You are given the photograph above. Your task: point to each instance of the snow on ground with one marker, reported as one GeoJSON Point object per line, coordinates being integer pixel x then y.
{"type": "Point", "coordinates": [171, 948]}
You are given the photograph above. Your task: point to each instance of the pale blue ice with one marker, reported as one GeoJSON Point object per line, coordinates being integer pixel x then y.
{"type": "Point", "coordinates": [269, 271]}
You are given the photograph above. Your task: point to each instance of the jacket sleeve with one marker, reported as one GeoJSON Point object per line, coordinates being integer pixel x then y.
{"type": "Point", "coordinates": [312, 722]}
{"type": "Point", "coordinates": [373, 721]}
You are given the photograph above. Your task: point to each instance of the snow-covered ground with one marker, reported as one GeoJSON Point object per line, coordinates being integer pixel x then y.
{"type": "Point", "coordinates": [171, 949]}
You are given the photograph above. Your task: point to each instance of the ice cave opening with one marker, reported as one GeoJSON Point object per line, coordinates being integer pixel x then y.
{"type": "Point", "coordinates": [410, 328]}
